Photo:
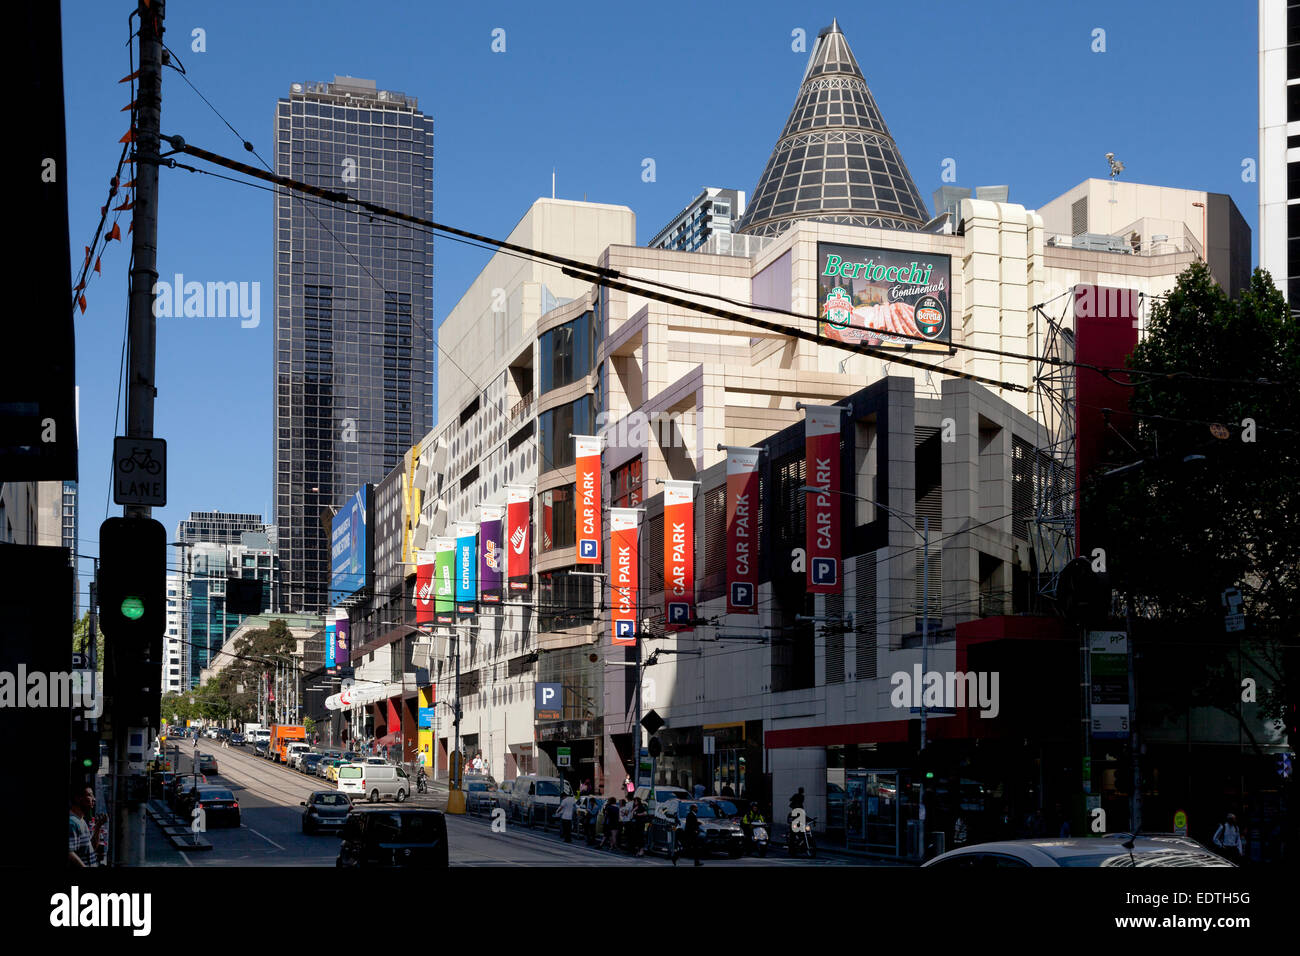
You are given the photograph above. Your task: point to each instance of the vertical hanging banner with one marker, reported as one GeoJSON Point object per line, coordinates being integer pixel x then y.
{"type": "Point", "coordinates": [343, 633]}
{"type": "Point", "coordinates": [519, 555]}
{"type": "Point", "coordinates": [587, 497]}
{"type": "Point", "coordinates": [424, 562]}
{"type": "Point", "coordinates": [466, 570]}
{"type": "Point", "coordinates": [742, 530]}
{"type": "Point", "coordinates": [822, 471]}
{"type": "Point", "coordinates": [624, 568]}
{"type": "Point", "coordinates": [330, 630]}
{"type": "Point", "coordinates": [679, 554]}
{"type": "Point", "coordinates": [491, 561]}
{"type": "Point", "coordinates": [444, 592]}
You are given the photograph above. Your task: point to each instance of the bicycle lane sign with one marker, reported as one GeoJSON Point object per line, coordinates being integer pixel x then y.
{"type": "Point", "coordinates": [140, 471]}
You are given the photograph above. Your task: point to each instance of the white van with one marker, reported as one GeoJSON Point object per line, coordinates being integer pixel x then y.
{"type": "Point", "coordinates": [374, 783]}
{"type": "Point", "coordinates": [294, 751]}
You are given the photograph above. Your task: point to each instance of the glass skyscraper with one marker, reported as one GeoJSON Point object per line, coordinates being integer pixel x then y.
{"type": "Point", "coordinates": [353, 311]}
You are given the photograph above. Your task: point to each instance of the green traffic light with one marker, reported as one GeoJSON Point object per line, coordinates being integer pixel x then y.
{"type": "Point", "coordinates": [929, 775]}
{"type": "Point", "coordinates": [132, 608]}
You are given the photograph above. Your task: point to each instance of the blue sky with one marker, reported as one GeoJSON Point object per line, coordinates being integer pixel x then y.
{"type": "Point", "coordinates": [1011, 90]}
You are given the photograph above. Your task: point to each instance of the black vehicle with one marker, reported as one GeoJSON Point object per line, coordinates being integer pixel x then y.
{"type": "Point", "coordinates": [801, 839]}
{"type": "Point", "coordinates": [307, 763]}
{"type": "Point", "coordinates": [326, 810]}
{"type": "Point", "coordinates": [393, 837]}
{"type": "Point", "coordinates": [218, 804]}
{"type": "Point", "coordinates": [719, 831]}
{"type": "Point", "coordinates": [207, 763]}
{"type": "Point", "coordinates": [180, 785]}
{"type": "Point", "coordinates": [237, 740]}
{"type": "Point", "coordinates": [159, 783]}
{"type": "Point", "coordinates": [261, 749]}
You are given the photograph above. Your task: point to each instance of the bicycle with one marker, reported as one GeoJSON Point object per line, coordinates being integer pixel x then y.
{"type": "Point", "coordinates": [145, 463]}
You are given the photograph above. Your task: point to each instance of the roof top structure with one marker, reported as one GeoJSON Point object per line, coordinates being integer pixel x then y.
{"type": "Point", "coordinates": [836, 160]}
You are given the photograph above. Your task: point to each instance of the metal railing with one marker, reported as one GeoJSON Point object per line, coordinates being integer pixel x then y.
{"type": "Point", "coordinates": [520, 408]}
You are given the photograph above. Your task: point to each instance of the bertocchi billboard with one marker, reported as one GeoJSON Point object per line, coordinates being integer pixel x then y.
{"type": "Point", "coordinates": [892, 298]}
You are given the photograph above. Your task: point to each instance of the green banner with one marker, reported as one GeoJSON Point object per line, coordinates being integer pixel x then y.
{"type": "Point", "coordinates": [444, 594]}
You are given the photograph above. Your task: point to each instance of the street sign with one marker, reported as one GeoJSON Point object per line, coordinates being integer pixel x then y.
{"type": "Point", "coordinates": [425, 717]}
{"type": "Point", "coordinates": [563, 756]}
{"type": "Point", "coordinates": [652, 722]}
{"type": "Point", "coordinates": [549, 701]}
{"type": "Point", "coordinates": [140, 471]}
{"type": "Point", "coordinates": [1180, 823]}
{"type": "Point", "coordinates": [1234, 620]}
{"type": "Point", "coordinates": [710, 745]}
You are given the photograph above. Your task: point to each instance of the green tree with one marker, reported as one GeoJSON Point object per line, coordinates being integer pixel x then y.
{"type": "Point", "coordinates": [1204, 513]}
{"type": "Point", "coordinates": [80, 644]}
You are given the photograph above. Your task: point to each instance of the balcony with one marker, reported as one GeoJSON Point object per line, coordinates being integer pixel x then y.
{"type": "Point", "coordinates": [521, 409]}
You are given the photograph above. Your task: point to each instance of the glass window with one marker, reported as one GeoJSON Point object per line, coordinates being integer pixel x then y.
{"type": "Point", "coordinates": [625, 491]}
{"type": "Point", "coordinates": [556, 425]}
{"type": "Point", "coordinates": [567, 353]}
{"type": "Point", "coordinates": [558, 518]}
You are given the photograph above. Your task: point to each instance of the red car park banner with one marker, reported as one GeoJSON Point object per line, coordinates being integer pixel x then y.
{"type": "Point", "coordinates": [822, 471]}
{"type": "Point", "coordinates": [742, 530]}
{"type": "Point", "coordinates": [519, 555]}
{"type": "Point", "coordinates": [424, 561]}
{"type": "Point", "coordinates": [587, 497]}
{"type": "Point", "coordinates": [624, 567]}
{"type": "Point", "coordinates": [679, 555]}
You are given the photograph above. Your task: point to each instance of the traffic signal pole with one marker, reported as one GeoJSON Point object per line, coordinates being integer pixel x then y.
{"type": "Point", "coordinates": [128, 808]}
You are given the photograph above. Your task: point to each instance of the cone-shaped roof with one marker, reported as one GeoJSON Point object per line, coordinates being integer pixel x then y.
{"type": "Point", "coordinates": [835, 160]}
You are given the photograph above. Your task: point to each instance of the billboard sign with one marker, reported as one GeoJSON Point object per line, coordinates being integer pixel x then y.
{"type": "Point", "coordinates": [330, 646]}
{"type": "Point", "coordinates": [466, 569]}
{"type": "Point", "coordinates": [822, 468]}
{"type": "Point", "coordinates": [742, 530]}
{"type": "Point", "coordinates": [342, 637]}
{"type": "Point", "coordinates": [491, 558]}
{"type": "Point", "coordinates": [549, 701]}
{"type": "Point", "coordinates": [884, 297]}
{"type": "Point", "coordinates": [679, 555]}
{"type": "Point", "coordinates": [444, 590]}
{"type": "Point", "coordinates": [424, 564]}
{"type": "Point", "coordinates": [624, 568]}
{"type": "Point", "coordinates": [519, 555]}
{"type": "Point", "coordinates": [350, 563]}
{"type": "Point", "coordinates": [587, 497]}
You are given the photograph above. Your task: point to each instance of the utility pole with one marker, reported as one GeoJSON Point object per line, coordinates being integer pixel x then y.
{"type": "Point", "coordinates": [128, 808]}
{"type": "Point", "coordinates": [925, 660]}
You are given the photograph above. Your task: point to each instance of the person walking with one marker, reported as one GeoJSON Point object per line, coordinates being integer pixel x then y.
{"type": "Point", "coordinates": [1228, 839]}
{"type": "Point", "coordinates": [625, 821]}
{"type": "Point", "coordinates": [627, 785]}
{"type": "Point", "coordinates": [640, 822]}
{"type": "Point", "coordinates": [81, 846]}
{"type": "Point", "coordinates": [611, 825]}
{"type": "Point", "coordinates": [565, 815]}
{"type": "Point", "coordinates": [693, 841]}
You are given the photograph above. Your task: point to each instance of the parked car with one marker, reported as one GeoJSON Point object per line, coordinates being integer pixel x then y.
{"type": "Point", "coordinates": [293, 753]}
{"type": "Point", "coordinates": [481, 795]}
{"type": "Point", "coordinates": [159, 782]}
{"type": "Point", "coordinates": [218, 804]}
{"type": "Point", "coordinates": [329, 769]}
{"type": "Point", "coordinates": [237, 740]}
{"type": "Point", "coordinates": [182, 783]}
{"type": "Point", "coordinates": [534, 799]}
{"type": "Point", "coordinates": [207, 763]}
{"type": "Point", "coordinates": [725, 808]}
{"type": "Point", "coordinates": [308, 763]}
{"type": "Point", "coordinates": [721, 834]}
{"type": "Point", "coordinates": [661, 795]}
{"type": "Point", "coordinates": [261, 749]}
{"type": "Point", "coordinates": [376, 761]}
{"type": "Point", "coordinates": [326, 810]}
{"type": "Point", "coordinates": [349, 756]}
{"type": "Point", "coordinates": [374, 783]}
{"type": "Point", "coordinates": [393, 837]}
{"type": "Point", "coordinates": [1078, 852]}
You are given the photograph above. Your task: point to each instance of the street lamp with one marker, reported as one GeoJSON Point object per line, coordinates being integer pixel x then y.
{"type": "Point", "coordinates": [1201, 205]}
{"type": "Point", "coordinates": [924, 532]}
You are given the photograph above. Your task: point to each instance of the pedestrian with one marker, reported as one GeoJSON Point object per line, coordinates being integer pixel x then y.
{"type": "Point", "coordinates": [628, 786]}
{"type": "Point", "coordinates": [640, 821]}
{"type": "Point", "coordinates": [81, 844]}
{"type": "Point", "coordinates": [565, 815]}
{"type": "Point", "coordinates": [611, 825]}
{"type": "Point", "coordinates": [692, 836]}
{"type": "Point", "coordinates": [698, 790]}
{"type": "Point", "coordinates": [1228, 839]}
{"type": "Point", "coordinates": [584, 789]}
{"type": "Point", "coordinates": [727, 791]}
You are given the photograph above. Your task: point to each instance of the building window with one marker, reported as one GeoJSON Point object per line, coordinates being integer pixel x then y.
{"type": "Point", "coordinates": [567, 353]}
{"type": "Point", "coordinates": [558, 526]}
{"type": "Point", "coordinates": [564, 600]}
{"type": "Point", "coordinates": [625, 485]}
{"type": "Point", "coordinates": [557, 424]}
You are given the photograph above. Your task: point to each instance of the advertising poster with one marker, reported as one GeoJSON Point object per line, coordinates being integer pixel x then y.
{"type": "Point", "coordinates": [624, 569]}
{"type": "Point", "coordinates": [491, 568]}
{"type": "Point", "coordinates": [350, 546]}
{"type": "Point", "coordinates": [343, 636]}
{"type": "Point", "coordinates": [587, 497]}
{"type": "Point", "coordinates": [519, 555]}
{"type": "Point", "coordinates": [822, 470]}
{"type": "Point", "coordinates": [444, 591]}
{"type": "Point", "coordinates": [466, 570]}
{"type": "Point", "coordinates": [424, 563]}
{"type": "Point", "coordinates": [884, 297]}
{"type": "Point", "coordinates": [679, 555]}
{"type": "Point", "coordinates": [742, 530]}
{"type": "Point", "coordinates": [330, 646]}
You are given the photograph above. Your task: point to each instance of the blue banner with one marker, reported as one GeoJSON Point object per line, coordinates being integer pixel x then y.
{"type": "Point", "coordinates": [424, 719]}
{"type": "Point", "coordinates": [330, 644]}
{"type": "Point", "coordinates": [466, 568]}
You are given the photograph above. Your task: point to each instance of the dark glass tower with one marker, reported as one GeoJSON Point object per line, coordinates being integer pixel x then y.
{"type": "Point", "coordinates": [353, 311]}
{"type": "Point", "coordinates": [835, 160]}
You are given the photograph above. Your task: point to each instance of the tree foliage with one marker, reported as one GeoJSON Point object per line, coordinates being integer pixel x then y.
{"type": "Point", "coordinates": [233, 694]}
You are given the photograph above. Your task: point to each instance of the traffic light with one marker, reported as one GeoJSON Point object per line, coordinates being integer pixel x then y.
{"type": "Point", "coordinates": [85, 752]}
{"type": "Point", "coordinates": [133, 614]}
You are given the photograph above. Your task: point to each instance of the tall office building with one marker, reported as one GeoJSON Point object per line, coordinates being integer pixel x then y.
{"type": "Point", "coordinates": [176, 657]}
{"type": "Point", "coordinates": [1279, 143]}
{"type": "Point", "coordinates": [711, 214]}
{"type": "Point", "coordinates": [216, 546]}
{"type": "Point", "coordinates": [354, 332]}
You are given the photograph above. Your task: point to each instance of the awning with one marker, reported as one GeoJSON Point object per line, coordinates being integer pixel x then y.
{"type": "Point", "coordinates": [389, 740]}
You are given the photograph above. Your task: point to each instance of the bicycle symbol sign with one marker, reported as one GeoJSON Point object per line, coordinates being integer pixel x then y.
{"type": "Point", "coordinates": [140, 471]}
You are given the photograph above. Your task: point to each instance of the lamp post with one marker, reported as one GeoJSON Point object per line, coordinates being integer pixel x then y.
{"type": "Point", "coordinates": [924, 532]}
{"type": "Point", "coordinates": [1201, 205]}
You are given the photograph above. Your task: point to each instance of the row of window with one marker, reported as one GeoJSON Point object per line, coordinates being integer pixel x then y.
{"type": "Point", "coordinates": [566, 353]}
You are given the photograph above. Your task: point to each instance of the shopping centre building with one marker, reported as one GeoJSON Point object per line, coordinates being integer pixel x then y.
{"type": "Point", "coordinates": [926, 332]}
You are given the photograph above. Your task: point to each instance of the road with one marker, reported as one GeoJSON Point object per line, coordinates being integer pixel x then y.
{"type": "Point", "coordinates": [271, 834]}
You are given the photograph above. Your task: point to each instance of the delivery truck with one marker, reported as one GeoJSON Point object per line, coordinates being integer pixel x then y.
{"type": "Point", "coordinates": [281, 736]}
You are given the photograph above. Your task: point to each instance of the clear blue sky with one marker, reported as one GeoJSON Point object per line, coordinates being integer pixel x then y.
{"type": "Point", "coordinates": [1011, 90]}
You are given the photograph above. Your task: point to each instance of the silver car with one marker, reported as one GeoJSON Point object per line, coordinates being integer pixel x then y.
{"type": "Point", "coordinates": [1079, 851]}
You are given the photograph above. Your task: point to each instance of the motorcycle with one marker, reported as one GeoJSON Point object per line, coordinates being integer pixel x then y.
{"type": "Point", "coordinates": [802, 840]}
{"type": "Point", "coordinates": [421, 782]}
{"type": "Point", "coordinates": [756, 837]}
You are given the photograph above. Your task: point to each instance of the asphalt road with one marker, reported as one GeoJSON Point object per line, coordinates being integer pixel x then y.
{"type": "Point", "coordinates": [270, 831]}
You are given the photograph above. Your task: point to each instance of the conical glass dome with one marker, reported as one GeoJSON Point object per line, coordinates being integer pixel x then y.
{"type": "Point", "coordinates": [835, 160]}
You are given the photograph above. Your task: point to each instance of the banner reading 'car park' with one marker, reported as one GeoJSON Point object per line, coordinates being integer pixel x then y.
{"type": "Point", "coordinates": [587, 497]}
{"type": "Point", "coordinates": [624, 570]}
{"type": "Point", "coordinates": [822, 471]}
{"type": "Point", "coordinates": [679, 555]}
{"type": "Point", "coordinates": [742, 530]}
